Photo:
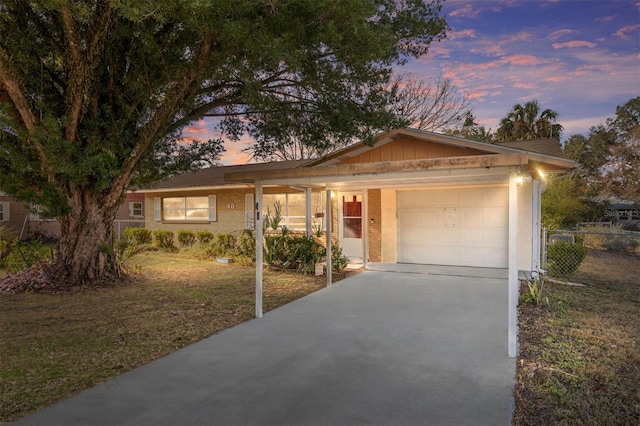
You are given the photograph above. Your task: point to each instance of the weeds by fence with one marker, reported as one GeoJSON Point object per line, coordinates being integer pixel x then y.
{"type": "Point", "coordinates": [592, 253]}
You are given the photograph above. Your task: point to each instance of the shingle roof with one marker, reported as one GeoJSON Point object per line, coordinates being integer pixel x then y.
{"type": "Point", "coordinates": [540, 146]}
{"type": "Point", "coordinates": [214, 176]}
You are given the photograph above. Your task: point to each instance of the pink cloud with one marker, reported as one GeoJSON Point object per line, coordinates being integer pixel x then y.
{"type": "Point", "coordinates": [573, 44]}
{"type": "Point", "coordinates": [468, 33]}
{"type": "Point", "coordinates": [481, 94]}
{"type": "Point", "coordinates": [521, 60]}
{"type": "Point", "coordinates": [437, 50]}
{"type": "Point", "coordinates": [466, 11]}
{"type": "Point", "coordinates": [477, 95]}
{"type": "Point", "coordinates": [196, 130]}
{"type": "Point", "coordinates": [623, 33]}
{"type": "Point", "coordinates": [556, 79]}
{"type": "Point", "coordinates": [526, 86]}
{"type": "Point", "coordinates": [557, 34]}
{"type": "Point", "coordinates": [605, 18]}
{"type": "Point", "coordinates": [518, 37]}
{"type": "Point", "coordinates": [489, 86]}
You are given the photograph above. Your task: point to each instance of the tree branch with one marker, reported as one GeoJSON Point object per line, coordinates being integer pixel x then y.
{"type": "Point", "coordinates": [13, 86]}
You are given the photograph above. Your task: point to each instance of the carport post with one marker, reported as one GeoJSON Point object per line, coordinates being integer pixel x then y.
{"type": "Point", "coordinates": [536, 206]}
{"type": "Point", "coordinates": [513, 265]}
{"type": "Point", "coordinates": [307, 210]}
{"type": "Point", "coordinates": [328, 230]}
{"type": "Point", "coordinates": [259, 219]}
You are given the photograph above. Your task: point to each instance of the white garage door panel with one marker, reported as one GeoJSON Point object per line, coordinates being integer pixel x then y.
{"type": "Point", "coordinates": [463, 227]}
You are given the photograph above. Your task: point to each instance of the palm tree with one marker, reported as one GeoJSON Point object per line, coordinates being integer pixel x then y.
{"type": "Point", "coordinates": [527, 122]}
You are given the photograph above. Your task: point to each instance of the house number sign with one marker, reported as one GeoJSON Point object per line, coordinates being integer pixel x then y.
{"type": "Point", "coordinates": [231, 206]}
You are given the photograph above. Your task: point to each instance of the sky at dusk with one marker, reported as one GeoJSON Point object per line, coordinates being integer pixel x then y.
{"type": "Point", "coordinates": [580, 58]}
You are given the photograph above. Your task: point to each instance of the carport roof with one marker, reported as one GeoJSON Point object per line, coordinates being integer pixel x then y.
{"type": "Point", "coordinates": [494, 165]}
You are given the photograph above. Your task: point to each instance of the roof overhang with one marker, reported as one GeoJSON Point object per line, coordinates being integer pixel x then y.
{"type": "Point", "coordinates": [482, 169]}
{"type": "Point", "coordinates": [192, 188]}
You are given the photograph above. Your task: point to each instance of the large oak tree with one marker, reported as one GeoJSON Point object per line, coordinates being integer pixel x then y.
{"type": "Point", "coordinates": [93, 94]}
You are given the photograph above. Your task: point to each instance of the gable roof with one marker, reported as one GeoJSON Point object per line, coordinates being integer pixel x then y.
{"type": "Point", "coordinates": [383, 139]}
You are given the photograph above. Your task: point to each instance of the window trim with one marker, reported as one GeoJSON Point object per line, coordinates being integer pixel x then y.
{"type": "Point", "coordinates": [132, 209]}
{"type": "Point", "coordinates": [158, 210]}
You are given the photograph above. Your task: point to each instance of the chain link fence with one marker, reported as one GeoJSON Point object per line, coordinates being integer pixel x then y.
{"type": "Point", "coordinates": [593, 253]}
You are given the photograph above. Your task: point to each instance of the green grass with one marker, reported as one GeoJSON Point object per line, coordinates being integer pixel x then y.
{"type": "Point", "coordinates": [579, 359]}
{"type": "Point", "coordinates": [55, 345]}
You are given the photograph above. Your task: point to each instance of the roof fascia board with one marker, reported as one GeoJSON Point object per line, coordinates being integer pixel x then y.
{"type": "Point", "coordinates": [191, 188]}
{"type": "Point", "coordinates": [475, 161]}
{"type": "Point", "coordinates": [399, 179]}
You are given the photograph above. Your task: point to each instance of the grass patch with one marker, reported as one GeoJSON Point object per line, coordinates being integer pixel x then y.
{"type": "Point", "coordinates": [579, 360]}
{"type": "Point", "coordinates": [55, 345]}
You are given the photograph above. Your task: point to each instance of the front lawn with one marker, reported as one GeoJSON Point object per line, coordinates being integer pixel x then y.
{"type": "Point", "coordinates": [53, 346]}
{"type": "Point", "coordinates": [579, 361]}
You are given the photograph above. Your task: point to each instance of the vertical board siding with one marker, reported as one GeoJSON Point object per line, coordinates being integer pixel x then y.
{"type": "Point", "coordinates": [410, 149]}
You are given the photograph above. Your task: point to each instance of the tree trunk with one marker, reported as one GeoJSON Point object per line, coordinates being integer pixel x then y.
{"type": "Point", "coordinates": [83, 233]}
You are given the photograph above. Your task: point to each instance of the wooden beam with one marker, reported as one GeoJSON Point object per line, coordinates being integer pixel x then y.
{"type": "Point", "coordinates": [466, 162]}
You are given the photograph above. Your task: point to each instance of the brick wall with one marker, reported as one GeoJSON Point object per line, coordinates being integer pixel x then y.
{"type": "Point", "coordinates": [230, 212]}
{"type": "Point", "coordinates": [375, 225]}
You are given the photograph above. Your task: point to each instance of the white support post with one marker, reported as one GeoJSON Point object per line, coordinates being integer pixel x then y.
{"type": "Point", "coordinates": [259, 266]}
{"type": "Point", "coordinates": [535, 227]}
{"type": "Point", "coordinates": [365, 228]}
{"type": "Point", "coordinates": [307, 211]}
{"type": "Point", "coordinates": [513, 266]}
{"type": "Point", "coordinates": [328, 230]}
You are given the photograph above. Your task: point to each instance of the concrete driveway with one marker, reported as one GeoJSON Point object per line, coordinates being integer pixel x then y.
{"type": "Point", "coordinates": [390, 348]}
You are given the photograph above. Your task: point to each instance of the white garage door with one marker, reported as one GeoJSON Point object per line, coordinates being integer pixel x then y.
{"type": "Point", "coordinates": [462, 227]}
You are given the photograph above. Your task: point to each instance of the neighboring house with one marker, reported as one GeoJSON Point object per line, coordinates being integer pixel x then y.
{"type": "Point", "coordinates": [26, 221]}
{"type": "Point", "coordinates": [410, 196]}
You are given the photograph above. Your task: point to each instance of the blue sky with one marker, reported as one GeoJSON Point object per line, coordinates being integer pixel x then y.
{"type": "Point", "coordinates": [580, 58]}
{"type": "Point", "coordinates": [577, 57]}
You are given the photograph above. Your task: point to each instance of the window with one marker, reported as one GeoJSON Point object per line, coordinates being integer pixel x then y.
{"type": "Point", "coordinates": [186, 209]}
{"type": "Point", "coordinates": [292, 209]}
{"type": "Point", "coordinates": [35, 214]}
{"type": "Point", "coordinates": [352, 216]}
{"type": "Point", "coordinates": [135, 209]}
{"type": "Point", "coordinates": [248, 211]}
{"type": "Point", "coordinates": [4, 211]}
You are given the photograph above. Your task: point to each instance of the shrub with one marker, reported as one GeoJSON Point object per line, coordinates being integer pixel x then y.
{"type": "Point", "coordinates": [304, 252]}
{"type": "Point", "coordinates": [620, 244]}
{"type": "Point", "coordinates": [564, 258]}
{"type": "Point", "coordinates": [223, 245]}
{"type": "Point", "coordinates": [6, 236]}
{"type": "Point", "coordinates": [164, 239]}
{"type": "Point", "coordinates": [120, 251]}
{"type": "Point", "coordinates": [247, 244]}
{"type": "Point", "coordinates": [204, 237]}
{"type": "Point", "coordinates": [186, 238]}
{"type": "Point", "coordinates": [138, 235]}
{"type": "Point", "coordinates": [338, 260]}
{"type": "Point", "coordinates": [24, 255]}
